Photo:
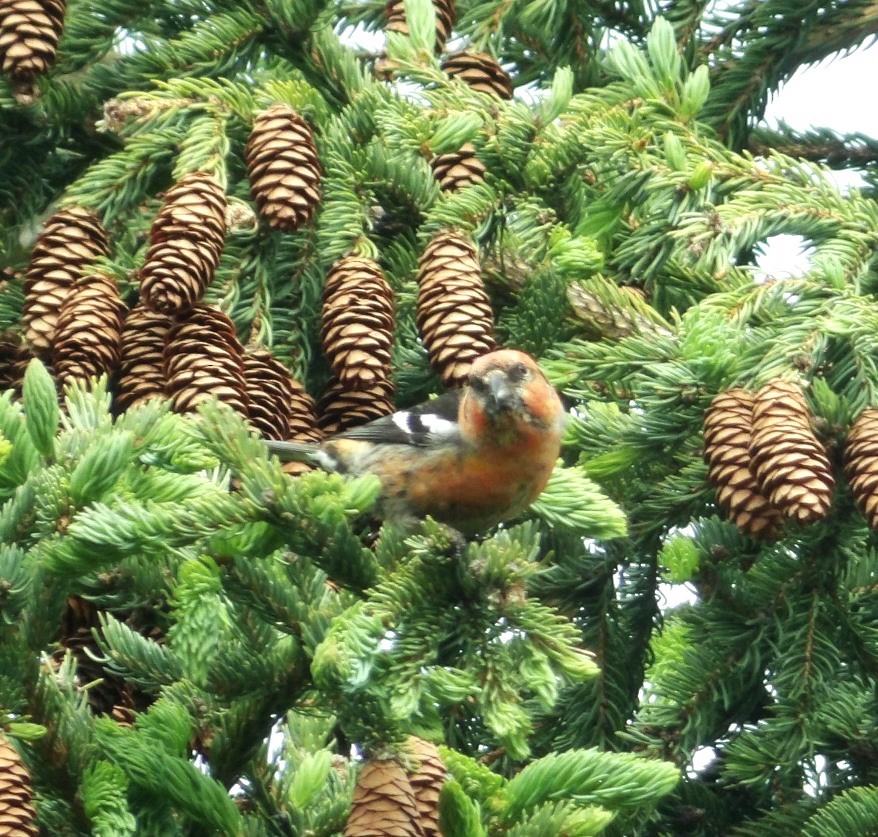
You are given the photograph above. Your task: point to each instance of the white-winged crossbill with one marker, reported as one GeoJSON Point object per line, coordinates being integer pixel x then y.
{"type": "Point", "coordinates": [471, 458]}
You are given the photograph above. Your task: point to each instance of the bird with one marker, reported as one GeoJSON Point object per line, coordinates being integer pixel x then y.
{"type": "Point", "coordinates": [471, 458]}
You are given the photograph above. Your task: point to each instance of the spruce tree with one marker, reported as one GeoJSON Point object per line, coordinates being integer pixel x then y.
{"type": "Point", "coordinates": [195, 640]}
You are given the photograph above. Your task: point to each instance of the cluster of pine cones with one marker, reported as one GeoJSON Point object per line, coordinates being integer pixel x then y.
{"type": "Point", "coordinates": [456, 169]}
{"type": "Point", "coordinates": [171, 344]}
{"type": "Point", "coordinates": [767, 465]}
{"type": "Point", "coordinates": [31, 29]}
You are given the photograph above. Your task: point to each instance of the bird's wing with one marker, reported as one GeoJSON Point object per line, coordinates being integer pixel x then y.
{"type": "Point", "coordinates": [424, 425]}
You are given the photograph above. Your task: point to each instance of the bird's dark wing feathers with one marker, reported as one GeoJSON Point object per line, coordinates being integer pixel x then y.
{"type": "Point", "coordinates": [420, 426]}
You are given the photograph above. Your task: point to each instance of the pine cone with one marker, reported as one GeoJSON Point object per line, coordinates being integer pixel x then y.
{"type": "Point", "coordinates": [605, 320]}
{"type": "Point", "coordinates": [29, 35]}
{"type": "Point", "coordinates": [726, 449]}
{"type": "Point", "coordinates": [454, 314]}
{"type": "Point", "coordinates": [105, 689]}
{"type": "Point", "coordinates": [17, 814]}
{"type": "Point", "coordinates": [457, 169]}
{"type": "Point", "coordinates": [861, 464]}
{"type": "Point", "coordinates": [186, 241]}
{"type": "Point", "coordinates": [303, 416]}
{"type": "Point", "coordinates": [446, 14]}
{"type": "Point", "coordinates": [88, 336]}
{"type": "Point", "coordinates": [107, 692]}
{"type": "Point", "coordinates": [340, 408]}
{"type": "Point", "coordinates": [203, 359]}
{"type": "Point", "coordinates": [384, 805]}
{"type": "Point", "coordinates": [70, 243]}
{"type": "Point", "coordinates": [789, 463]}
{"type": "Point", "coordinates": [141, 365]}
{"type": "Point", "coordinates": [357, 322]}
{"type": "Point", "coordinates": [270, 390]}
{"type": "Point", "coordinates": [14, 358]}
{"type": "Point", "coordinates": [426, 778]}
{"type": "Point", "coordinates": [479, 71]}
{"type": "Point", "coordinates": [283, 168]}
{"type": "Point", "coordinates": [303, 425]}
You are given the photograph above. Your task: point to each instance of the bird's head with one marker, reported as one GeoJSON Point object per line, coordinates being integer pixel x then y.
{"type": "Point", "coordinates": [510, 391]}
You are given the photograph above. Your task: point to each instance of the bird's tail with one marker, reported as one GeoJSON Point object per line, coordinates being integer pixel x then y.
{"type": "Point", "coordinates": [295, 451]}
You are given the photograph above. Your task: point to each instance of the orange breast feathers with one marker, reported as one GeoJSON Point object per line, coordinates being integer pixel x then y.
{"type": "Point", "coordinates": [468, 489]}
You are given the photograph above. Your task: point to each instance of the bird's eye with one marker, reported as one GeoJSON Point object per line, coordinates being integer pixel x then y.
{"type": "Point", "coordinates": [518, 372]}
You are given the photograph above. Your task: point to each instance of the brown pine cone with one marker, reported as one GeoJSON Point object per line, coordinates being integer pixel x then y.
{"type": "Point", "coordinates": [727, 427]}
{"type": "Point", "coordinates": [14, 358]}
{"type": "Point", "coordinates": [203, 359]}
{"type": "Point", "coordinates": [18, 818]}
{"type": "Point", "coordinates": [186, 241]}
{"type": "Point", "coordinates": [283, 167]}
{"type": "Point", "coordinates": [141, 364]}
{"type": "Point", "coordinates": [357, 322]}
{"type": "Point", "coordinates": [88, 336]}
{"type": "Point", "coordinates": [479, 71]}
{"type": "Point", "coordinates": [446, 14]}
{"type": "Point", "coordinates": [303, 425]}
{"type": "Point", "coordinates": [458, 169]}
{"type": "Point", "coordinates": [384, 804]}
{"type": "Point", "coordinates": [340, 408]}
{"type": "Point", "coordinates": [861, 464]}
{"type": "Point", "coordinates": [427, 774]}
{"type": "Point", "coordinates": [270, 392]}
{"type": "Point", "coordinates": [29, 35]}
{"type": "Point", "coordinates": [454, 313]}
{"type": "Point", "coordinates": [71, 242]}
{"type": "Point", "coordinates": [789, 462]}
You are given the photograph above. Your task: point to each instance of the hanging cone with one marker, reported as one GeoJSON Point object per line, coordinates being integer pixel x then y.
{"type": "Point", "coordinates": [303, 425]}
{"type": "Point", "coordinates": [861, 464]}
{"type": "Point", "coordinates": [357, 322]}
{"type": "Point", "coordinates": [70, 243]}
{"type": "Point", "coordinates": [726, 449]}
{"type": "Point", "coordinates": [394, 13]}
{"type": "Point", "coordinates": [106, 692]}
{"type": "Point", "coordinates": [88, 335]}
{"type": "Point", "coordinates": [17, 815]}
{"type": "Point", "coordinates": [427, 774]}
{"type": "Point", "coordinates": [105, 689]}
{"type": "Point", "coordinates": [141, 365]}
{"type": "Point", "coordinates": [203, 360]}
{"type": "Point", "coordinates": [789, 463]}
{"type": "Point", "coordinates": [619, 312]}
{"type": "Point", "coordinates": [186, 240]}
{"type": "Point", "coordinates": [340, 408]}
{"type": "Point", "coordinates": [457, 169]}
{"type": "Point", "coordinates": [14, 358]}
{"type": "Point", "coordinates": [29, 35]}
{"type": "Point", "coordinates": [479, 71]}
{"type": "Point", "coordinates": [454, 314]}
{"type": "Point", "coordinates": [283, 168]}
{"type": "Point", "coordinates": [303, 416]}
{"type": "Point", "coordinates": [270, 393]}
{"type": "Point", "coordinates": [384, 805]}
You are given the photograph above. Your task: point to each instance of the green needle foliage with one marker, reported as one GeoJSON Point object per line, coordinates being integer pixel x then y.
{"type": "Point", "coordinates": [194, 642]}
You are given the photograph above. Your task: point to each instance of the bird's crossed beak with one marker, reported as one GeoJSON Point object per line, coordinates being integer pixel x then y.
{"type": "Point", "coordinates": [501, 394]}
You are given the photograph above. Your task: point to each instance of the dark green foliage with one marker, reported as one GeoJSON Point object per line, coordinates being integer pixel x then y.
{"type": "Point", "coordinates": [192, 642]}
